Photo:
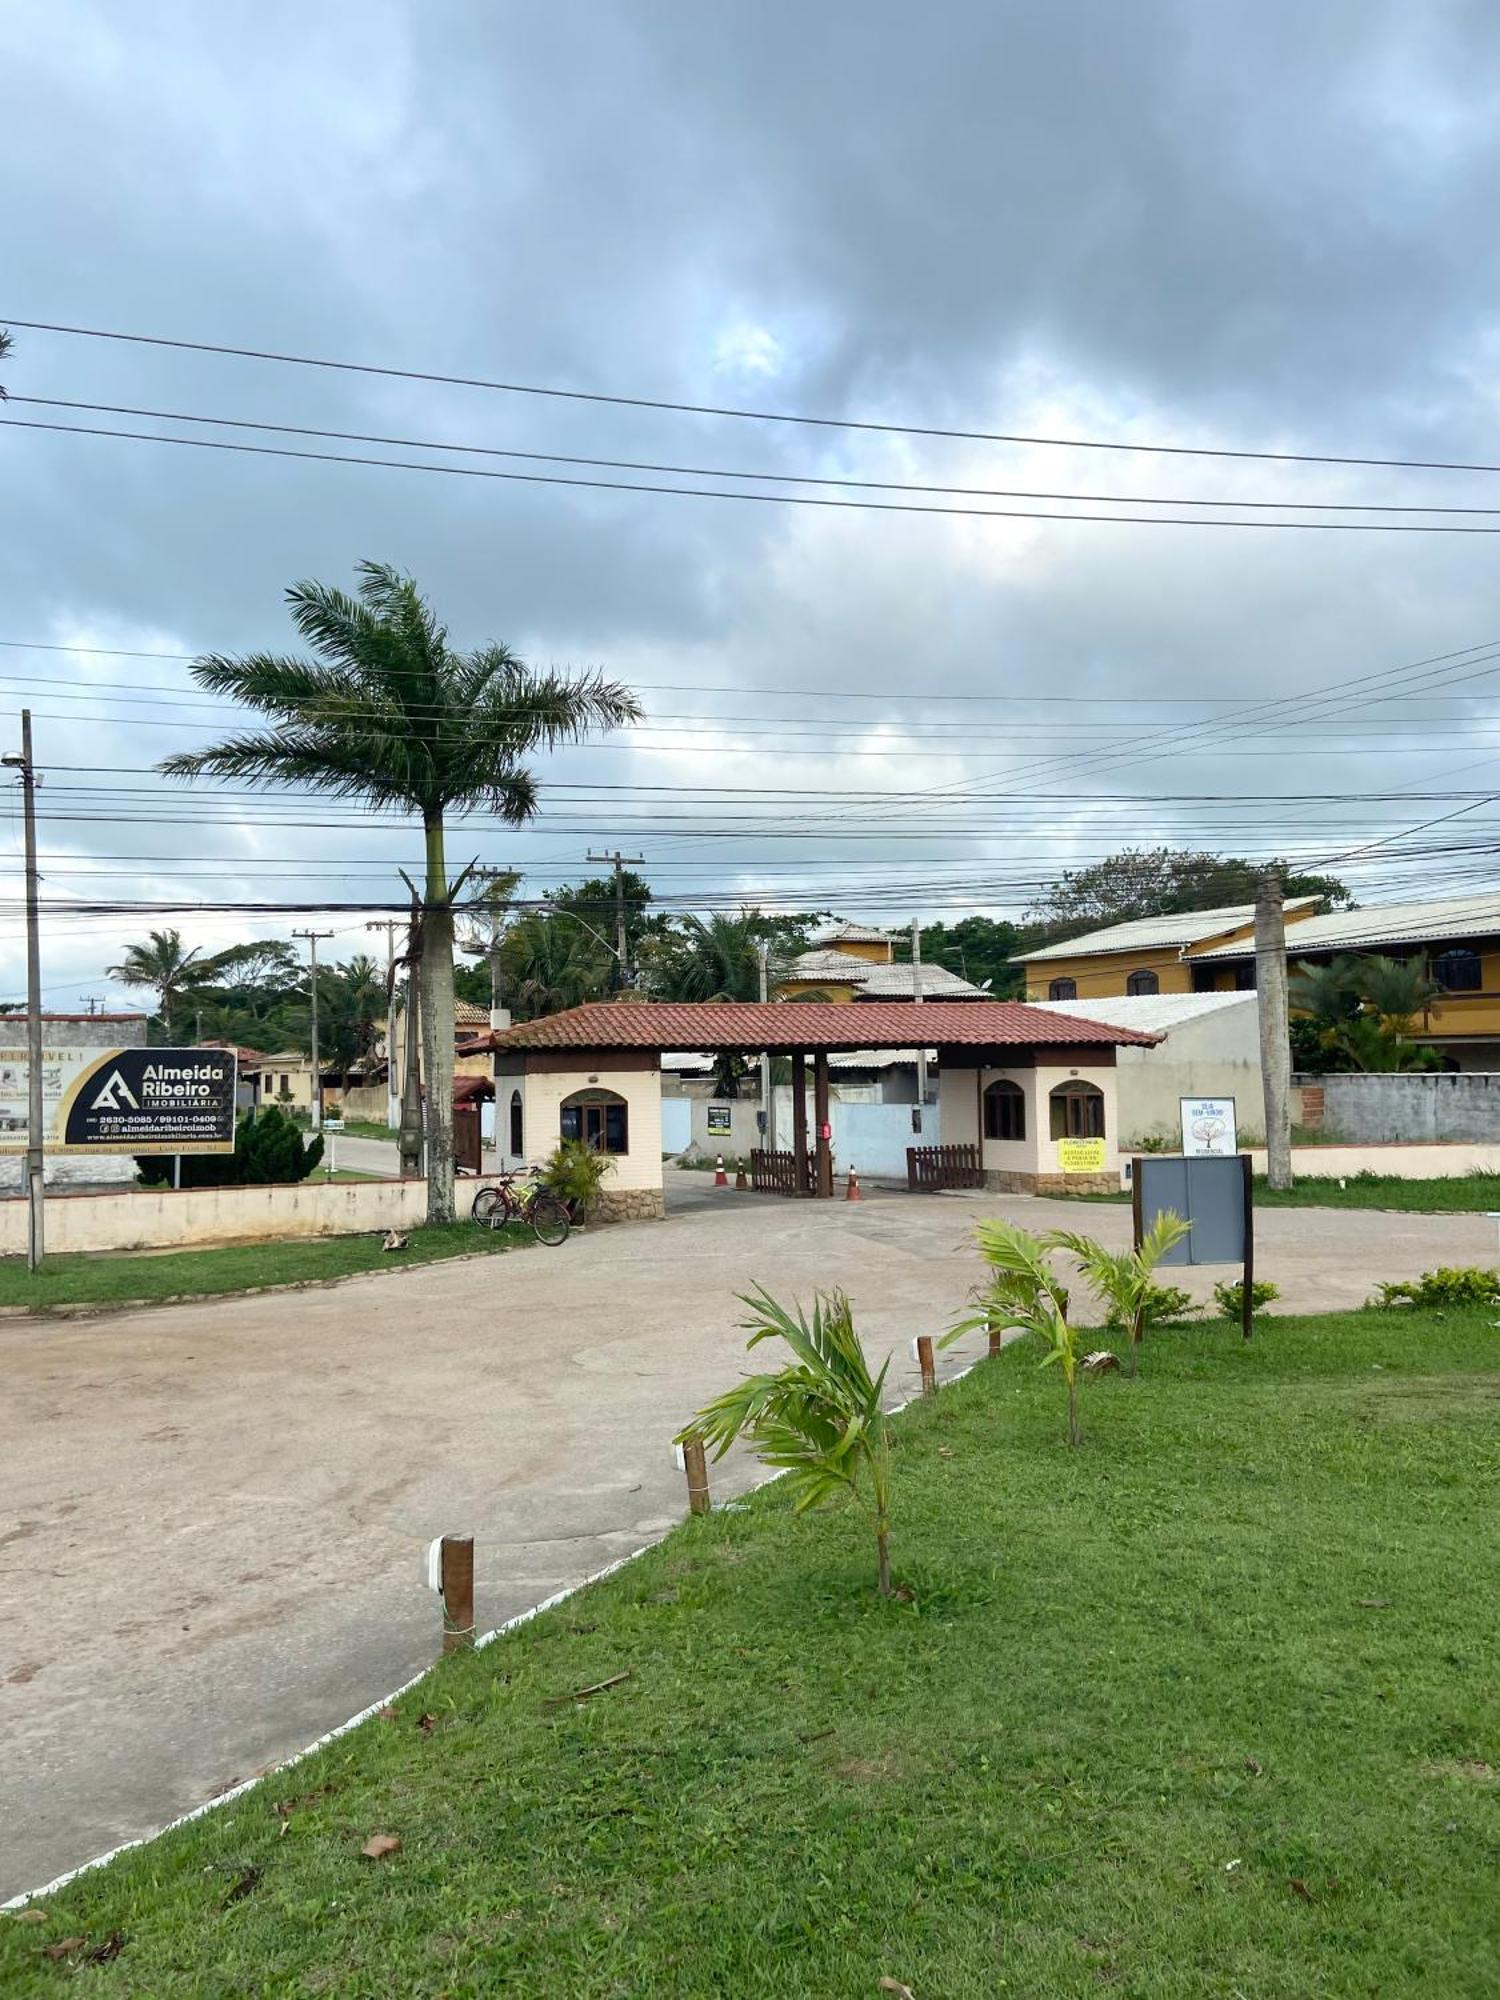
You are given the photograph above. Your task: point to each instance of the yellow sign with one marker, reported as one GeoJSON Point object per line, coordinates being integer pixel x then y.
{"type": "Point", "coordinates": [1081, 1156]}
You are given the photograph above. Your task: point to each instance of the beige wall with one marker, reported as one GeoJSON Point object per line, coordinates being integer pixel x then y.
{"type": "Point", "coordinates": [159, 1218]}
{"type": "Point", "coordinates": [1403, 1163]}
{"type": "Point", "coordinates": [542, 1094]}
{"type": "Point", "coordinates": [1037, 1153]}
{"type": "Point", "coordinates": [298, 1082]}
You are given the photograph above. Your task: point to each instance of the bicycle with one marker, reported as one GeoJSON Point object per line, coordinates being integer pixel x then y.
{"type": "Point", "coordinates": [503, 1200]}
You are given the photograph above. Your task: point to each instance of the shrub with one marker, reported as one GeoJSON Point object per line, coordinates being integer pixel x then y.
{"type": "Point", "coordinates": [1164, 1303]}
{"type": "Point", "coordinates": [575, 1172]}
{"type": "Point", "coordinates": [1230, 1298]}
{"type": "Point", "coordinates": [1446, 1287]}
{"type": "Point", "coordinates": [268, 1150]}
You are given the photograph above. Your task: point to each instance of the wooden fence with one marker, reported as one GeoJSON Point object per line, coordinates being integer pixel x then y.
{"type": "Point", "coordinates": [776, 1173]}
{"type": "Point", "coordinates": [932, 1167]}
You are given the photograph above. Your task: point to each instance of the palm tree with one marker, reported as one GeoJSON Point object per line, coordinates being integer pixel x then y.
{"type": "Point", "coordinates": [1026, 1293]}
{"type": "Point", "coordinates": [717, 959]}
{"type": "Point", "coordinates": [391, 713]}
{"type": "Point", "coordinates": [5, 347]}
{"type": "Point", "coordinates": [163, 965]}
{"type": "Point", "coordinates": [549, 962]}
{"type": "Point", "coordinates": [1397, 990]}
{"type": "Point", "coordinates": [818, 1419]}
{"type": "Point", "coordinates": [1327, 993]}
{"type": "Point", "coordinates": [1121, 1280]}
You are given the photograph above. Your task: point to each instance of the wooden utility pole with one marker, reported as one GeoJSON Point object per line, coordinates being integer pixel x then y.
{"type": "Point", "coordinates": [317, 1075]}
{"type": "Point", "coordinates": [620, 862]}
{"type": "Point", "coordinates": [35, 1134]}
{"type": "Point", "coordinates": [1275, 1045]}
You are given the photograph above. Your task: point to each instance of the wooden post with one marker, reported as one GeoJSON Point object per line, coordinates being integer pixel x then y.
{"type": "Point", "coordinates": [799, 1122]}
{"type": "Point", "coordinates": [820, 1113]}
{"type": "Point", "coordinates": [997, 1338]}
{"type": "Point", "coordinates": [926, 1364]}
{"type": "Point", "coordinates": [695, 1465]}
{"type": "Point", "coordinates": [1247, 1281]}
{"type": "Point", "coordinates": [457, 1576]}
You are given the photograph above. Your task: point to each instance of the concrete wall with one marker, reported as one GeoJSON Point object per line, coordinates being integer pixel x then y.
{"type": "Point", "coordinates": [868, 1135]}
{"type": "Point", "coordinates": [1419, 1109]}
{"type": "Point", "coordinates": [1404, 1163]}
{"type": "Point", "coordinates": [159, 1218]}
{"type": "Point", "coordinates": [1032, 1163]}
{"type": "Point", "coordinates": [543, 1092]}
{"type": "Point", "coordinates": [1217, 1055]}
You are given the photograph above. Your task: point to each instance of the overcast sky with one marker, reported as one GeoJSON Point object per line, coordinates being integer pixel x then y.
{"type": "Point", "coordinates": [1264, 228]}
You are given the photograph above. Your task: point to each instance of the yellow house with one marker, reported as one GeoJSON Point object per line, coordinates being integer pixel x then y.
{"type": "Point", "coordinates": [1456, 941]}
{"type": "Point", "coordinates": [852, 962]}
{"type": "Point", "coordinates": [471, 1024]}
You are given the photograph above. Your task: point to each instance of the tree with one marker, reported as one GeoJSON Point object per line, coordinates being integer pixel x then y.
{"type": "Point", "coordinates": [549, 962]}
{"type": "Point", "coordinates": [1164, 881]}
{"type": "Point", "coordinates": [391, 713]}
{"type": "Point", "coordinates": [978, 949]}
{"type": "Point", "coordinates": [1122, 1280]}
{"type": "Point", "coordinates": [818, 1419]}
{"type": "Point", "coordinates": [1360, 1013]}
{"type": "Point", "coordinates": [714, 958]}
{"type": "Point", "coordinates": [1025, 1293]}
{"type": "Point", "coordinates": [5, 347]}
{"type": "Point", "coordinates": [162, 965]}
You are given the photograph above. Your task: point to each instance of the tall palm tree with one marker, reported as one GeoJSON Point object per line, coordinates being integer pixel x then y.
{"type": "Point", "coordinates": [717, 959]}
{"type": "Point", "coordinates": [163, 965]}
{"type": "Point", "coordinates": [391, 713]}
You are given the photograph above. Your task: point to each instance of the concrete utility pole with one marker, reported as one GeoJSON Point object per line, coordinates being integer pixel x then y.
{"type": "Point", "coordinates": [35, 1155]}
{"type": "Point", "coordinates": [916, 994]}
{"type": "Point", "coordinates": [409, 1129]}
{"type": "Point", "coordinates": [620, 862]}
{"type": "Point", "coordinates": [1275, 1046]}
{"type": "Point", "coordinates": [767, 1104]}
{"type": "Point", "coordinates": [317, 1078]}
{"type": "Point", "coordinates": [390, 925]}
{"type": "Point", "coordinates": [499, 1015]}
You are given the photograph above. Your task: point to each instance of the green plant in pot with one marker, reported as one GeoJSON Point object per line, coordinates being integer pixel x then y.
{"type": "Point", "coordinates": [575, 1174]}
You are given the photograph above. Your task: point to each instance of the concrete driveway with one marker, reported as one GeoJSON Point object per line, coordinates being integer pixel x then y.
{"type": "Point", "coordinates": [211, 1517]}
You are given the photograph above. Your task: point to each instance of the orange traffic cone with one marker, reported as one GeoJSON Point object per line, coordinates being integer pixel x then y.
{"type": "Point", "coordinates": [721, 1179]}
{"type": "Point", "coordinates": [740, 1182]}
{"type": "Point", "coordinates": [852, 1191]}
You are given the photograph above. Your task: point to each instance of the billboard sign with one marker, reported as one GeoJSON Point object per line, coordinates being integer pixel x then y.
{"type": "Point", "coordinates": [122, 1100]}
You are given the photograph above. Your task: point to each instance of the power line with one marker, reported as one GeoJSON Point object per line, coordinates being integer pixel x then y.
{"type": "Point", "coordinates": [737, 413]}
{"type": "Point", "coordinates": [757, 499]}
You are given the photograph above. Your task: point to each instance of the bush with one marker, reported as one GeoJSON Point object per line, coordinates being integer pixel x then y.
{"type": "Point", "coordinates": [268, 1150]}
{"type": "Point", "coordinates": [1230, 1299]}
{"type": "Point", "coordinates": [575, 1173]}
{"type": "Point", "coordinates": [1165, 1303]}
{"type": "Point", "coordinates": [1446, 1287]}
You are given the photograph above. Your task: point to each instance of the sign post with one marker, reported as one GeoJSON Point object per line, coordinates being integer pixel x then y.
{"type": "Point", "coordinates": [1212, 1192]}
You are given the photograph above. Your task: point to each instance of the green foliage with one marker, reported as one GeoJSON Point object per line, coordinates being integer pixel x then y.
{"type": "Point", "coordinates": [714, 958]}
{"type": "Point", "coordinates": [1230, 1298]}
{"type": "Point", "coordinates": [1161, 881]}
{"type": "Point", "coordinates": [1446, 1289]}
{"type": "Point", "coordinates": [1121, 1280]}
{"type": "Point", "coordinates": [1359, 1012]}
{"type": "Point", "coordinates": [818, 1419]}
{"type": "Point", "coordinates": [1163, 1304]}
{"type": "Point", "coordinates": [269, 1150]}
{"type": "Point", "coordinates": [165, 969]}
{"type": "Point", "coordinates": [1026, 1294]}
{"type": "Point", "coordinates": [575, 1172]}
{"type": "Point", "coordinates": [978, 949]}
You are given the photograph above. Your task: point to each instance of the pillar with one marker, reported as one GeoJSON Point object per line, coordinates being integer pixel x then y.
{"type": "Point", "coordinates": [799, 1122]}
{"type": "Point", "coordinates": [820, 1114]}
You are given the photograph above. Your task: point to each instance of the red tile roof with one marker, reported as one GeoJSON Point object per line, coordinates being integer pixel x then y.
{"type": "Point", "coordinates": [811, 1024]}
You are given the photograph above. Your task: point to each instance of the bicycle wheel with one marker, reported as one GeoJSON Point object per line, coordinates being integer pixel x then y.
{"type": "Point", "coordinates": [549, 1219]}
{"type": "Point", "coordinates": [484, 1204]}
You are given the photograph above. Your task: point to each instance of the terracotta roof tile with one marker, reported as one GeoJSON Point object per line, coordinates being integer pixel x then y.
{"type": "Point", "coordinates": [810, 1024]}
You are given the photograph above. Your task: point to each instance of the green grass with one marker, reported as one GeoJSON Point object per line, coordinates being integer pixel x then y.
{"type": "Point", "coordinates": [1458, 1194]}
{"type": "Point", "coordinates": [127, 1278]}
{"type": "Point", "coordinates": [365, 1128]}
{"type": "Point", "coordinates": [1206, 1708]}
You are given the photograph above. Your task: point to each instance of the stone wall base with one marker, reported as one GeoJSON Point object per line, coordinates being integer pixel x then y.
{"type": "Point", "coordinates": [1008, 1181]}
{"type": "Point", "coordinates": [629, 1205]}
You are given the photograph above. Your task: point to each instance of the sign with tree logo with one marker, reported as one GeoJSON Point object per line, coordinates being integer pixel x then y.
{"type": "Point", "coordinates": [122, 1100]}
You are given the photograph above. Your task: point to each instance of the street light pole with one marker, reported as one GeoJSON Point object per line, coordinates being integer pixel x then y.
{"type": "Point", "coordinates": [35, 1156]}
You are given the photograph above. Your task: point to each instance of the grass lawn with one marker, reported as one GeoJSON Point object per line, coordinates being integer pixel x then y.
{"type": "Point", "coordinates": [125, 1277]}
{"type": "Point", "coordinates": [1458, 1194]}
{"type": "Point", "coordinates": [1206, 1708]}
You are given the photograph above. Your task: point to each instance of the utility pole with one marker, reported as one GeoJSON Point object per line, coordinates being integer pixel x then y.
{"type": "Point", "coordinates": [35, 1157]}
{"type": "Point", "coordinates": [409, 1132]}
{"type": "Point", "coordinates": [390, 925]}
{"type": "Point", "coordinates": [767, 1103]}
{"type": "Point", "coordinates": [317, 1076]}
{"type": "Point", "coordinates": [1275, 1045]}
{"type": "Point", "coordinates": [492, 917]}
{"type": "Point", "coordinates": [620, 862]}
{"type": "Point", "coordinates": [916, 994]}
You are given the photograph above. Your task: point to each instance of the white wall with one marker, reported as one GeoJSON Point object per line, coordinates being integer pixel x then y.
{"type": "Point", "coordinates": [1216, 1055]}
{"type": "Point", "coordinates": [159, 1218]}
{"type": "Point", "coordinates": [676, 1124]}
{"type": "Point", "coordinates": [1405, 1163]}
{"type": "Point", "coordinates": [543, 1092]}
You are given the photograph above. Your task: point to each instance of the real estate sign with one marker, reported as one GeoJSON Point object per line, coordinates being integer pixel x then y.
{"type": "Point", "coordinates": [122, 1100]}
{"type": "Point", "coordinates": [1081, 1156]}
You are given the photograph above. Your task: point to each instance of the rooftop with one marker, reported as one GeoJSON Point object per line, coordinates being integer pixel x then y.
{"type": "Point", "coordinates": [784, 1026]}
{"type": "Point", "coordinates": [1152, 1013]}
{"type": "Point", "coordinates": [1385, 923]}
{"type": "Point", "coordinates": [852, 934]}
{"type": "Point", "coordinates": [886, 982]}
{"type": "Point", "coordinates": [1185, 927]}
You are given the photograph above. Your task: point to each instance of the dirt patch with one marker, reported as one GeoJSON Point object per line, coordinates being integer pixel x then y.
{"type": "Point", "coordinates": [1471, 1769]}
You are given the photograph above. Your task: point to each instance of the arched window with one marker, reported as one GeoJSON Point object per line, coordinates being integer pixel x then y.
{"type": "Point", "coordinates": [1458, 970]}
{"type": "Point", "coordinates": [517, 1127]}
{"type": "Point", "coordinates": [601, 1118]}
{"type": "Point", "coordinates": [1140, 983]}
{"type": "Point", "coordinates": [1063, 989]}
{"type": "Point", "coordinates": [1004, 1110]}
{"type": "Point", "coordinates": [1077, 1110]}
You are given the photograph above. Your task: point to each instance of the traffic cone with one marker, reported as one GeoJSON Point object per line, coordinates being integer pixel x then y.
{"type": "Point", "coordinates": [721, 1179]}
{"type": "Point", "coordinates": [852, 1191]}
{"type": "Point", "coordinates": [741, 1184]}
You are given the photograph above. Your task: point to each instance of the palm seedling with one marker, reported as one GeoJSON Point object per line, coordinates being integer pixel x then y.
{"type": "Point", "coordinates": [818, 1419]}
{"type": "Point", "coordinates": [1122, 1280]}
{"type": "Point", "coordinates": [1025, 1293]}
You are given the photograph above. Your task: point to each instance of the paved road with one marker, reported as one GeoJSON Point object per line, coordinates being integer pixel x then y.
{"type": "Point", "coordinates": [211, 1516]}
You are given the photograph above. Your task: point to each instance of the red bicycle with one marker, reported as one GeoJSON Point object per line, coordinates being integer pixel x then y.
{"type": "Point", "coordinates": [522, 1198]}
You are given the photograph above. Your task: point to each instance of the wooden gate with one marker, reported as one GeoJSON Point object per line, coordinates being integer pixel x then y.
{"type": "Point", "coordinates": [931, 1167]}
{"type": "Point", "coordinates": [467, 1143]}
{"type": "Point", "coordinates": [776, 1173]}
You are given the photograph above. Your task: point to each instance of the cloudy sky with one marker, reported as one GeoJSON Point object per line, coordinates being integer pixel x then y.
{"type": "Point", "coordinates": [1204, 225]}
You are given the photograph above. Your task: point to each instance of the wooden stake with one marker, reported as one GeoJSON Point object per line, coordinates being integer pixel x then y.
{"type": "Point", "coordinates": [695, 1465]}
{"type": "Point", "coordinates": [997, 1338]}
{"type": "Point", "coordinates": [926, 1363]}
{"type": "Point", "coordinates": [457, 1575]}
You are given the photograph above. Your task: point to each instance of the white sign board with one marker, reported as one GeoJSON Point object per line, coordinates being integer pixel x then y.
{"type": "Point", "coordinates": [1208, 1128]}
